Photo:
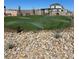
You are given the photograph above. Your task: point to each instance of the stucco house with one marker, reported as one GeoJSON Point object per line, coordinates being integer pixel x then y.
{"type": "Point", "coordinates": [58, 9]}
{"type": "Point", "coordinates": [11, 12]}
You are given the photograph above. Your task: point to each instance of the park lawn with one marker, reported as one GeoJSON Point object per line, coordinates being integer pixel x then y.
{"type": "Point", "coordinates": [37, 22]}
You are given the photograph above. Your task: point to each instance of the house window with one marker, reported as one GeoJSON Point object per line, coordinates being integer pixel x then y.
{"type": "Point", "coordinates": [58, 10]}
{"type": "Point", "coordinates": [55, 10]}
{"type": "Point", "coordinates": [58, 7]}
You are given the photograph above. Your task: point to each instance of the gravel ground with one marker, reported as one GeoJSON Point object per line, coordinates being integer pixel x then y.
{"type": "Point", "coordinates": [45, 44]}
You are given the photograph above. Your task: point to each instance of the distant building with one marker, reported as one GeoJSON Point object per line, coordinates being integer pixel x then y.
{"type": "Point", "coordinates": [58, 9]}
{"type": "Point", "coordinates": [54, 9]}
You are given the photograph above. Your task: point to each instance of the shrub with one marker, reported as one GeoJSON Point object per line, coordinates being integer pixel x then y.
{"type": "Point", "coordinates": [11, 46]}
{"type": "Point", "coordinates": [19, 29]}
{"type": "Point", "coordinates": [57, 35]}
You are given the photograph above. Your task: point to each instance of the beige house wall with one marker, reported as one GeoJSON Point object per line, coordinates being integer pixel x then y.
{"type": "Point", "coordinates": [11, 13]}
{"type": "Point", "coordinates": [14, 13]}
{"type": "Point", "coordinates": [38, 12]}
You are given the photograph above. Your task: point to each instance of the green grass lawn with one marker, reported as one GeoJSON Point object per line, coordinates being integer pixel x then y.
{"type": "Point", "coordinates": [37, 22]}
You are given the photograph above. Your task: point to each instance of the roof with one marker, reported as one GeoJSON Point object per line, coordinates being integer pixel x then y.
{"type": "Point", "coordinates": [56, 4]}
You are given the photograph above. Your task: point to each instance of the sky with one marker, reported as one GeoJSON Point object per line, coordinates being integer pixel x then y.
{"type": "Point", "coordinates": [37, 4]}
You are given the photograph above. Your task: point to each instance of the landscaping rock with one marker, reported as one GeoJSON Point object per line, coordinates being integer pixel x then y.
{"type": "Point", "coordinates": [40, 45]}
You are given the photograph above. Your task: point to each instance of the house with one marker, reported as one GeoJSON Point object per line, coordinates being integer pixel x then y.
{"type": "Point", "coordinates": [11, 12]}
{"type": "Point", "coordinates": [58, 9]}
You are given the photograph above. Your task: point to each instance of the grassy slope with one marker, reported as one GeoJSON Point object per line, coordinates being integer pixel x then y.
{"type": "Point", "coordinates": [37, 22]}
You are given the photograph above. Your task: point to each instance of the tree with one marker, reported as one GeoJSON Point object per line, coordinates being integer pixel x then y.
{"type": "Point", "coordinates": [33, 11]}
{"type": "Point", "coordinates": [19, 11]}
{"type": "Point", "coordinates": [4, 10]}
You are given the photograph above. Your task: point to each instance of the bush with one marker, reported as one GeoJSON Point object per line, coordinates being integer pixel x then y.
{"type": "Point", "coordinates": [57, 35]}
{"type": "Point", "coordinates": [11, 46]}
{"type": "Point", "coordinates": [19, 29]}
